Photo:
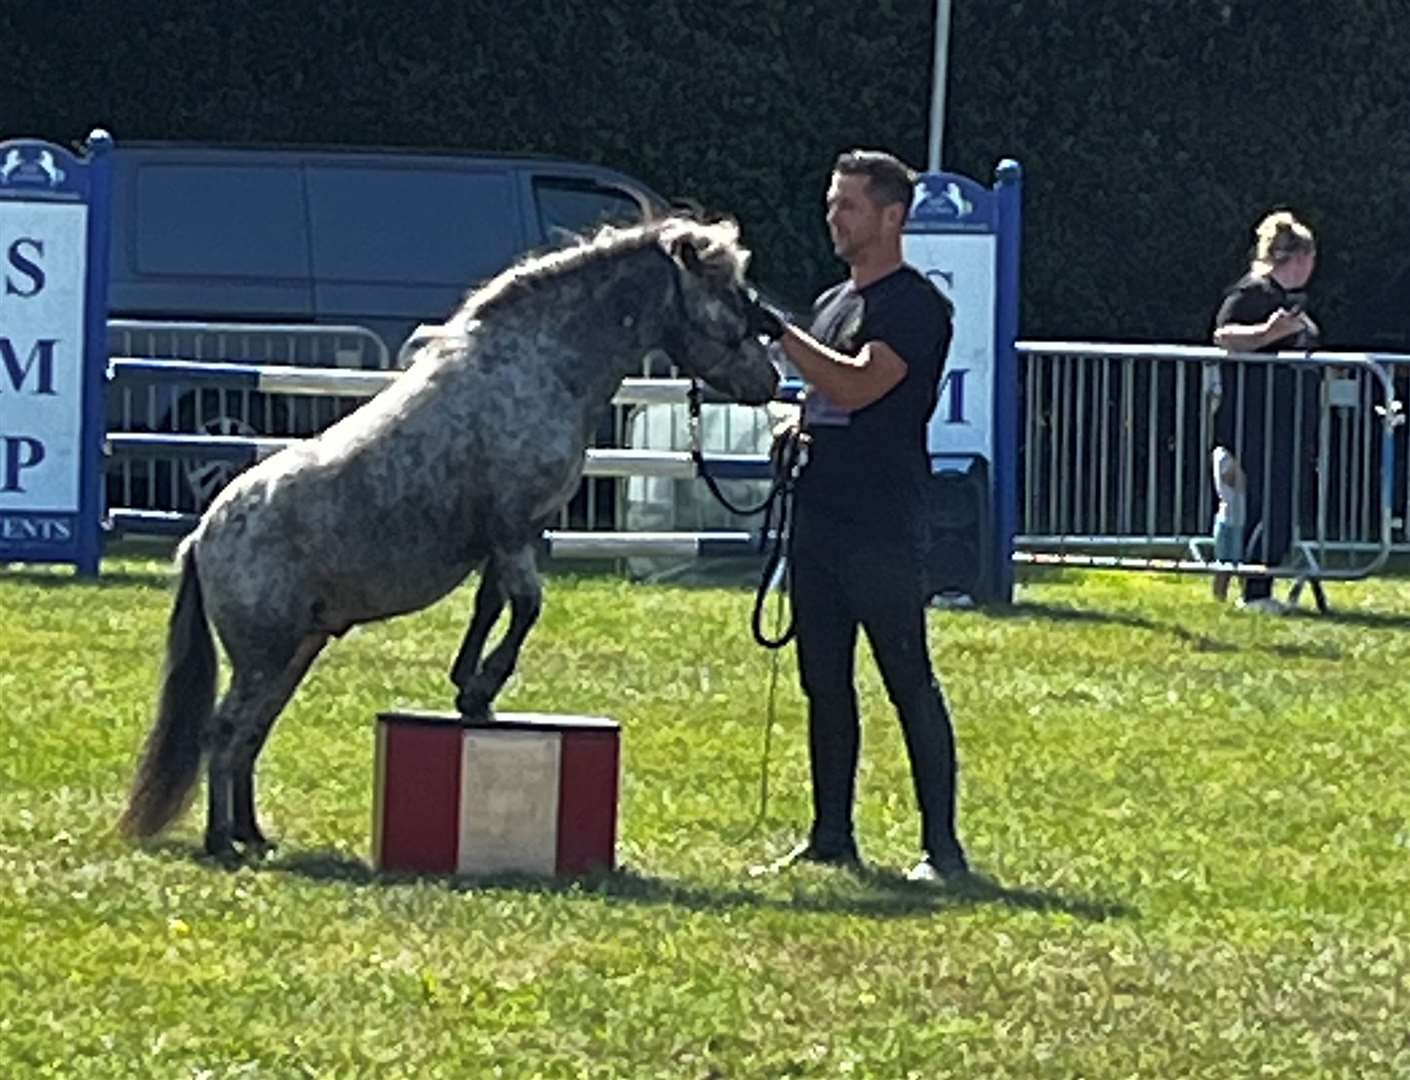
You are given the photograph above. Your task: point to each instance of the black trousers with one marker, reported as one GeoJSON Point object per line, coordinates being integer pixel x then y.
{"type": "Point", "coordinates": [838, 585]}
{"type": "Point", "coordinates": [1268, 447]}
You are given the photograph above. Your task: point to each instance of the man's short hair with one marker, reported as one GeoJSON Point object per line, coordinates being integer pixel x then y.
{"type": "Point", "coordinates": [889, 179]}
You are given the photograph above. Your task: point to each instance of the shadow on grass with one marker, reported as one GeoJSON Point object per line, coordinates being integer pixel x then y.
{"type": "Point", "coordinates": [1064, 614]}
{"type": "Point", "coordinates": [886, 895]}
{"type": "Point", "coordinates": [1199, 642]}
{"type": "Point", "coordinates": [1370, 620]}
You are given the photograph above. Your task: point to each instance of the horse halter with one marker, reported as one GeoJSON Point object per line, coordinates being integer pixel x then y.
{"type": "Point", "coordinates": [733, 344]}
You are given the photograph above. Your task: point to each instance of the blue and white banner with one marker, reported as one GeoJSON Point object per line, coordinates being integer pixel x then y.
{"type": "Point", "coordinates": [965, 238]}
{"type": "Point", "coordinates": [963, 267]}
{"type": "Point", "coordinates": [53, 311]}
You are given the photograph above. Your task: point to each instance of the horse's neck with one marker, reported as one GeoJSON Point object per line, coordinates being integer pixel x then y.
{"type": "Point", "coordinates": [595, 397]}
{"type": "Point", "coordinates": [605, 337]}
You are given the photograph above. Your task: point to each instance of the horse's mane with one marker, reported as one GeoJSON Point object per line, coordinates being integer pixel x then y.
{"type": "Point", "coordinates": [716, 244]}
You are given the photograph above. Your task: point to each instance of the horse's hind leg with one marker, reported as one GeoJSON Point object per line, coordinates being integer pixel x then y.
{"type": "Point", "coordinates": [241, 723]}
{"type": "Point", "coordinates": [244, 823]}
{"type": "Point", "coordinates": [518, 580]}
{"type": "Point", "coordinates": [489, 602]}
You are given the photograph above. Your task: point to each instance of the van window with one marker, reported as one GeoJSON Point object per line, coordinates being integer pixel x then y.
{"type": "Point", "coordinates": [424, 225]}
{"type": "Point", "coordinates": [188, 227]}
{"type": "Point", "coordinates": [579, 206]}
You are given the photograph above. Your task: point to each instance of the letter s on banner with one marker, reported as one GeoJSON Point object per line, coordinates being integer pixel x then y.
{"type": "Point", "coordinates": [30, 269]}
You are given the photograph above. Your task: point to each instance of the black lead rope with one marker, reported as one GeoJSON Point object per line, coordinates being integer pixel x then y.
{"type": "Point", "coordinates": [775, 538]}
{"type": "Point", "coordinates": [775, 534]}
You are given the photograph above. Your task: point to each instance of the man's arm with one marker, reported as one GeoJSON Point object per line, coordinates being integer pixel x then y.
{"type": "Point", "coordinates": [850, 382]}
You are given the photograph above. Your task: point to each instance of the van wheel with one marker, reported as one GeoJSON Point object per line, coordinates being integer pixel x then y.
{"type": "Point", "coordinates": [204, 479]}
{"type": "Point", "coordinates": [222, 413]}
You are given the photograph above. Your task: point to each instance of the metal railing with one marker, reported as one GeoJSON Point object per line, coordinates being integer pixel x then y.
{"type": "Point", "coordinates": [177, 484]}
{"type": "Point", "coordinates": [1114, 456]}
{"type": "Point", "coordinates": [236, 388]}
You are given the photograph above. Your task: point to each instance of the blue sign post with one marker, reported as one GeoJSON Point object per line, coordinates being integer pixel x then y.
{"type": "Point", "coordinates": [54, 225]}
{"type": "Point", "coordinates": [966, 239]}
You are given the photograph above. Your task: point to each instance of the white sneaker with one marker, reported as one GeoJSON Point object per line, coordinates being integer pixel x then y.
{"type": "Point", "coordinates": [1266, 605]}
{"type": "Point", "coordinates": [930, 872]}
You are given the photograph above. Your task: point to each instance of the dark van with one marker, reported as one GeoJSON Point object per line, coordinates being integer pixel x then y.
{"type": "Point", "coordinates": [382, 239]}
{"type": "Point", "coordinates": [314, 256]}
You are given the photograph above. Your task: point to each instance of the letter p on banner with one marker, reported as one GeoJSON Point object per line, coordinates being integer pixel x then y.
{"type": "Point", "coordinates": [54, 226]}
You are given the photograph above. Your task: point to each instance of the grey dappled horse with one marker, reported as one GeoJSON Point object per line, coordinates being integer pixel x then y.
{"type": "Point", "coordinates": [458, 465]}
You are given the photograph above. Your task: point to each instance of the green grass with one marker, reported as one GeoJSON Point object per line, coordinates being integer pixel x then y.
{"type": "Point", "coordinates": [1193, 827]}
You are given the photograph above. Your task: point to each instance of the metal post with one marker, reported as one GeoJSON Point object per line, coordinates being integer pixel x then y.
{"type": "Point", "coordinates": [1008, 184]}
{"type": "Point", "coordinates": [939, 75]}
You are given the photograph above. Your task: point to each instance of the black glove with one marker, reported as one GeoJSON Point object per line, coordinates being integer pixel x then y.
{"type": "Point", "coordinates": [761, 317]}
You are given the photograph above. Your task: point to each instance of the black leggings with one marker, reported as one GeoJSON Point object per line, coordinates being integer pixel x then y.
{"type": "Point", "coordinates": [837, 586]}
{"type": "Point", "coordinates": [1268, 445]}
{"type": "Point", "coordinates": [1276, 535]}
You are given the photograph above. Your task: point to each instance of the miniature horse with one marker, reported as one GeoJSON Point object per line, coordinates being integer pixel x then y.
{"type": "Point", "coordinates": [457, 466]}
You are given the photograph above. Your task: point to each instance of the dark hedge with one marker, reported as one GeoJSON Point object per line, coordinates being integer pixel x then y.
{"type": "Point", "coordinates": [1153, 133]}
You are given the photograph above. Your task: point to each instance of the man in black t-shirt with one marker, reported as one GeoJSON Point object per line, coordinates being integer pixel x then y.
{"type": "Point", "coordinates": [873, 358]}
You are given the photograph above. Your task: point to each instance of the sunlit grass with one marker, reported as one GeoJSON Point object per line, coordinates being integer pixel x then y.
{"type": "Point", "coordinates": [1192, 826]}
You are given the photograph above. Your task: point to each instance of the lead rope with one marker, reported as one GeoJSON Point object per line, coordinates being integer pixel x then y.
{"type": "Point", "coordinates": [789, 455]}
{"type": "Point", "coordinates": [765, 757]}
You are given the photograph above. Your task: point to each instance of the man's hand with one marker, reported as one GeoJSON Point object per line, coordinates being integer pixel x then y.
{"type": "Point", "coordinates": [784, 419]}
{"type": "Point", "coordinates": [762, 318]}
{"type": "Point", "coordinates": [784, 422]}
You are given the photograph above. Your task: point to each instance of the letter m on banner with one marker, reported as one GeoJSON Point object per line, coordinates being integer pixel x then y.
{"type": "Point", "coordinates": [54, 224]}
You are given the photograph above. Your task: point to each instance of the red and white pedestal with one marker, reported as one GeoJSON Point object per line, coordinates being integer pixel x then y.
{"type": "Point", "coordinates": [522, 793]}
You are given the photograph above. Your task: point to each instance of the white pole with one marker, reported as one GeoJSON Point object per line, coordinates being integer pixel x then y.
{"type": "Point", "coordinates": [937, 96]}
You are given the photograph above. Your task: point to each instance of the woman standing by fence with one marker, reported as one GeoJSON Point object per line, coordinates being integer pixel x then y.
{"type": "Point", "coordinates": [1255, 423]}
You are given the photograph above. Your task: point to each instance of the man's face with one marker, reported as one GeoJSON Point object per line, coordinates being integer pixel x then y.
{"type": "Point", "coordinates": [853, 220]}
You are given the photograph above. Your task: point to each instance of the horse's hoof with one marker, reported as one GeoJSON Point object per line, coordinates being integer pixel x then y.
{"type": "Point", "coordinates": [472, 706]}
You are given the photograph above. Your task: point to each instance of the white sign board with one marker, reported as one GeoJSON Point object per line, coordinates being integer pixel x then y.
{"type": "Point", "coordinates": [43, 278]}
{"type": "Point", "coordinates": [54, 220]}
{"type": "Point", "coordinates": [965, 239]}
{"type": "Point", "coordinates": [963, 267]}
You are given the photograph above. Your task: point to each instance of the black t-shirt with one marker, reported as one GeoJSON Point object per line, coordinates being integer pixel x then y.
{"type": "Point", "coordinates": [866, 468]}
{"type": "Point", "coordinates": [1249, 301]}
{"type": "Point", "coordinates": [1252, 299]}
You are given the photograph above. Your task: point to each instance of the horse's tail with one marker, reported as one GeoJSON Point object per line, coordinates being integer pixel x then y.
{"type": "Point", "coordinates": [171, 757]}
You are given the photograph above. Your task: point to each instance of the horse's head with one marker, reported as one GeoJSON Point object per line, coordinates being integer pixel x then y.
{"type": "Point", "coordinates": [710, 332]}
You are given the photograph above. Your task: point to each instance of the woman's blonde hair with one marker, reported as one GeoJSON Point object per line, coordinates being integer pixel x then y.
{"type": "Point", "coordinates": [1279, 237]}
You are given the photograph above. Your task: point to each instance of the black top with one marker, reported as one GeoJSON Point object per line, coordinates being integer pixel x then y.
{"type": "Point", "coordinates": [866, 469]}
{"type": "Point", "coordinates": [1249, 301]}
{"type": "Point", "coordinates": [1252, 299]}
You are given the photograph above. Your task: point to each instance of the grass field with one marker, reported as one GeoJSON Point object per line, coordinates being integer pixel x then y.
{"type": "Point", "coordinates": [1192, 826]}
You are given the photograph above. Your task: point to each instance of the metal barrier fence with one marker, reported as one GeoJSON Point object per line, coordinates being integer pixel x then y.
{"type": "Point", "coordinates": [231, 452]}
{"type": "Point", "coordinates": [1115, 456]}
{"type": "Point", "coordinates": [207, 397]}
{"type": "Point", "coordinates": [187, 484]}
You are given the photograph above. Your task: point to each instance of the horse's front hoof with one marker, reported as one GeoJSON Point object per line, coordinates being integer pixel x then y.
{"type": "Point", "coordinates": [472, 705]}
